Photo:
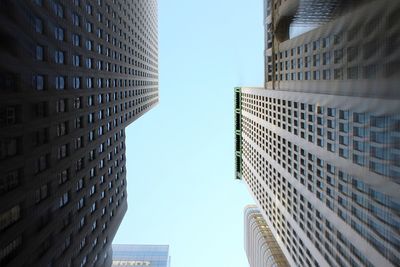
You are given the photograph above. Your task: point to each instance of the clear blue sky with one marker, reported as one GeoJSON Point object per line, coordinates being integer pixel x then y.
{"type": "Point", "coordinates": [180, 155]}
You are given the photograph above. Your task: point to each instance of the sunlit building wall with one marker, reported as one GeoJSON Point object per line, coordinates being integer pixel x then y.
{"type": "Point", "coordinates": [260, 245]}
{"type": "Point", "coordinates": [318, 147]}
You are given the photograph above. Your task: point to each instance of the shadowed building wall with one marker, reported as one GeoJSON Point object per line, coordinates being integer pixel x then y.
{"type": "Point", "coordinates": [73, 75]}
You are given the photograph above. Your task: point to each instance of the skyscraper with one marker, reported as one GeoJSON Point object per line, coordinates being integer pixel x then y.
{"type": "Point", "coordinates": [318, 147]}
{"type": "Point", "coordinates": [73, 75]}
{"type": "Point", "coordinates": [260, 245]}
{"type": "Point", "coordinates": [141, 255]}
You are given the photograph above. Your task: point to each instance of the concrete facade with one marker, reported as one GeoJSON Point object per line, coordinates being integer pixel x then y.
{"type": "Point", "coordinates": [73, 75]}
{"type": "Point", "coordinates": [318, 147]}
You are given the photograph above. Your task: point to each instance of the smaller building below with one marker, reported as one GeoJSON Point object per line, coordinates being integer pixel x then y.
{"type": "Point", "coordinates": [141, 255]}
{"type": "Point", "coordinates": [260, 244]}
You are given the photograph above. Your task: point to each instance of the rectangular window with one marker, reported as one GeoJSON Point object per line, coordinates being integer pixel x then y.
{"type": "Point", "coordinates": [89, 45]}
{"type": "Point", "coordinates": [359, 131]}
{"type": "Point", "coordinates": [10, 248]}
{"type": "Point", "coordinates": [89, 27]}
{"type": "Point", "coordinates": [76, 82]}
{"type": "Point", "coordinates": [41, 163]}
{"type": "Point", "coordinates": [358, 146]}
{"type": "Point", "coordinates": [41, 193]}
{"type": "Point", "coordinates": [78, 122]}
{"type": "Point", "coordinates": [60, 82]}
{"type": "Point", "coordinates": [62, 177]}
{"type": "Point", "coordinates": [352, 73]}
{"type": "Point", "coordinates": [344, 127]}
{"type": "Point", "coordinates": [344, 140]}
{"type": "Point", "coordinates": [78, 142]}
{"type": "Point", "coordinates": [76, 39]}
{"type": "Point", "coordinates": [58, 9]}
{"type": "Point", "coordinates": [338, 74]}
{"type": "Point", "coordinates": [8, 148]}
{"type": "Point", "coordinates": [77, 102]}
{"type": "Point", "coordinates": [76, 61]}
{"type": "Point", "coordinates": [326, 74]}
{"type": "Point", "coordinates": [359, 117]}
{"type": "Point", "coordinates": [338, 55]}
{"type": "Point", "coordinates": [326, 58]}
{"type": "Point", "coordinates": [59, 57]}
{"type": "Point", "coordinates": [38, 25]}
{"type": "Point", "coordinates": [59, 33]}
{"type": "Point", "coordinates": [39, 53]}
{"type": "Point", "coordinates": [38, 82]}
{"type": "Point", "coordinates": [9, 217]}
{"type": "Point", "coordinates": [9, 181]}
{"type": "Point", "coordinates": [75, 19]}
{"type": "Point", "coordinates": [89, 63]}
{"type": "Point", "coordinates": [62, 152]}
{"type": "Point", "coordinates": [61, 105]}
{"type": "Point", "coordinates": [64, 199]}
{"type": "Point", "coordinates": [379, 122]}
{"type": "Point", "coordinates": [62, 129]}
{"type": "Point", "coordinates": [89, 82]}
{"type": "Point", "coordinates": [378, 137]}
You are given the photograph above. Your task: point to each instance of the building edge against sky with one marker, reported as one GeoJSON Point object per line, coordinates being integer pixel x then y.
{"type": "Point", "coordinates": [73, 75]}
{"type": "Point", "coordinates": [319, 147]}
{"type": "Point", "coordinates": [141, 255]}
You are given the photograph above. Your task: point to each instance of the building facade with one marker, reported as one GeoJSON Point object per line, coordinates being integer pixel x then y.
{"type": "Point", "coordinates": [318, 147]}
{"type": "Point", "coordinates": [73, 75]}
{"type": "Point", "coordinates": [260, 245]}
{"type": "Point", "coordinates": [141, 255]}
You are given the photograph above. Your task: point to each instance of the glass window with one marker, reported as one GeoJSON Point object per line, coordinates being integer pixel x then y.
{"type": "Point", "coordinates": [352, 73]}
{"type": "Point", "coordinates": [58, 9]}
{"type": "Point", "coordinates": [344, 127]}
{"type": "Point", "coordinates": [76, 39]}
{"type": "Point", "coordinates": [89, 45]}
{"type": "Point", "coordinates": [59, 33]}
{"type": "Point", "coordinates": [75, 19]}
{"type": "Point", "coordinates": [358, 131]}
{"type": "Point", "coordinates": [64, 200]}
{"type": "Point", "coordinates": [59, 57]}
{"type": "Point", "coordinates": [379, 122]}
{"type": "Point", "coordinates": [76, 60]}
{"type": "Point", "coordinates": [39, 53]}
{"type": "Point", "coordinates": [89, 82]}
{"type": "Point", "coordinates": [344, 140]}
{"type": "Point", "coordinates": [344, 153]}
{"type": "Point", "coordinates": [9, 217]}
{"type": "Point", "coordinates": [89, 63]}
{"type": "Point", "coordinates": [359, 117]}
{"type": "Point", "coordinates": [38, 25]}
{"type": "Point", "coordinates": [377, 167]}
{"type": "Point", "coordinates": [378, 137]}
{"type": "Point", "coordinates": [60, 82]}
{"type": "Point", "coordinates": [76, 82]}
{"type": "Point", "coordinates": [38, 82]}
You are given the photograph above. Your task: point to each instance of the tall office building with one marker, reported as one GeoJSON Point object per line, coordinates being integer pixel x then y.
{"type": "Point", "coordinates": [260, 245]}
{"type": "Point", "coordinates": [73, 75]}
{"type": "Point", "coordinates": [141, 255]}
{"type": "Point", "coordinates": [319, 146]}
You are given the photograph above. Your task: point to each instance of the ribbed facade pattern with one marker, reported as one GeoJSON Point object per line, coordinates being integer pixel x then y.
{"type": "Point", "coordinates": [73, 75]}
{"type": "Point", "coordinates": [260, 245]}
